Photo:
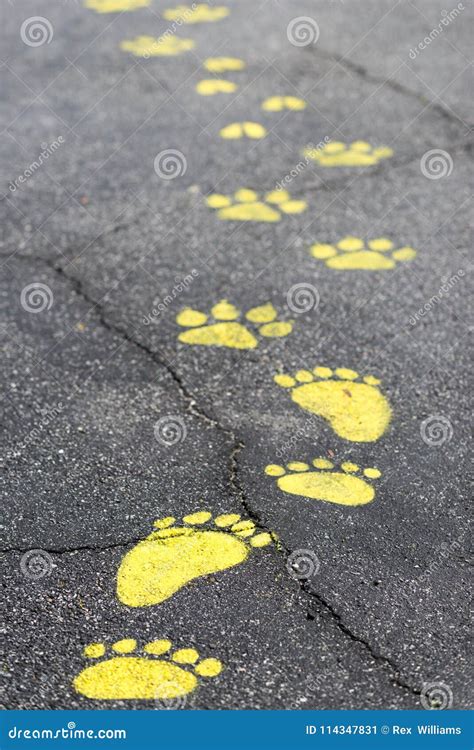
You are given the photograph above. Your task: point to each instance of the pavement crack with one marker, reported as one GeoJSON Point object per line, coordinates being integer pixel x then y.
{"type": "Point", "coordinates": [72, 550]}
{"type": "Point", "coordinates": [117, 330]}
{"type": "Point", "coordinates": [316, 603]}
{"type": "Point", "coordinates": [376, 656]}
{"type": "Point", "coordinates": [400, 88]}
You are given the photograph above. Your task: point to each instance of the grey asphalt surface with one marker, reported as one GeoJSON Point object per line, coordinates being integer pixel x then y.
{"type": "Point", "coordinates": [387, 612]}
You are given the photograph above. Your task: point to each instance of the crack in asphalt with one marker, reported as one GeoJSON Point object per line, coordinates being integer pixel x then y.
{"type": "Point", "coordinates": [303, 585]}
{"type": "Point", "coordinates": [365, 73]}
{"type": "Point", "coordinates": [234, 482]}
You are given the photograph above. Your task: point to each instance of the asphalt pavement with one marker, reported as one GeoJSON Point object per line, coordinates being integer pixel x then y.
{"type": "Point", "coordinates": [111, 422]}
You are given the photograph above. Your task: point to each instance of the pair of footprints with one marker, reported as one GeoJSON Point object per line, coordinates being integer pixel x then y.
{"type": "Point", "coordinates": [149, 574]}
{"type": "Point", "coordinates": [174, 555]}
{"type": "Point", "coordinates": [355, 408]}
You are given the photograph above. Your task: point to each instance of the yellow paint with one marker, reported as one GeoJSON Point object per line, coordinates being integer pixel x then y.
{"type": "Point", "coordinates": [356, 411]}
{"type": "Point", "coordinates": [261, 540]}
{"type": "Point", "coordinates": [145, 677]}
{"type": "Point", "coordinates": [94, 650]}
{"type": "Point", "coordinates": [226, 519]}
{"type": "Point", "coordinates": [126, 646]}
{"type": "Point", "coordinates": [356, 154]}
{"type": "Point", "coordinates": [263, 314]}
{"type": "Point", "coordinates": [209, 87]}
{"type": "Point", "coordinates": [279, 103]}
{"type": "Point", "coordinates": [190, 318]}
{"type": "Point", "coordinates": [186, 656]}
{"type": "Point", "coordinates": [115, 6]}
{"type": "Point", "coordinates": [196, 13]}
{"type": "Point", "coordinates": [225, 311]}
{"type": "Point", "coordinates": [202, 516]}
{"type": "Point", "coordinates": [340, 487]}
{"type": "Point", "coordinates": [322, 463]}
{"type": "Point", "coordinates": [298, 466]}
{"type": "Point", "coordinates": [209, 668]}
{"type": "Point", "coordinates": [350, 254]}
{"type": "Point", "coordinates": [163, 46]}
{"type": "Point", "coordinates": [248, 207]}
{"type": "Point", "coordinates": [163, 523]}
{"type": "Point", "coordinates": [222, 64]}
{"type": "Point", "coordinates": [231, 334]}
{"type": "Point", "coordinates": [237, 130]}
{"type": "Point", "coordinates": [162, 564]}
{"type": "Point", "coordinates": [304, 376]}
{"type": "Point", "coordinates": [157, 647]}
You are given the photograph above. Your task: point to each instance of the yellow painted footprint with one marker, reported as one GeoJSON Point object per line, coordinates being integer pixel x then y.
{"type": "Point", "coordinates": [248, 207]}
{"type": "Point", "coordinates": [196, 13]}
{"type": "Point", "coordinates": [356, 411]}
{"type": "Point", "coordinates": [356, 154]}
{"type": "Point", "coordinates": [279, 103]}
{"type": "Point", "coordinates": [162, 46]}
{"type": "Point", "coordinates": [351, 254]}
{"type": "Point", "coordinates": [322, 483]}
{"type": "Point", "coordinates": [213, 86]}
{"type": "Point", "coordinates": [223, 64]}
{"type": "Point", "coordinates": [172, 556]}
{"type": "Point", "coordinates": [115, 6]}
{"type": "Point", "coordinates": [126, 675]}
{"type": "Point", "coordinates": [228, 332]}
{"type": "Point", "coordinates": [237, 130]}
